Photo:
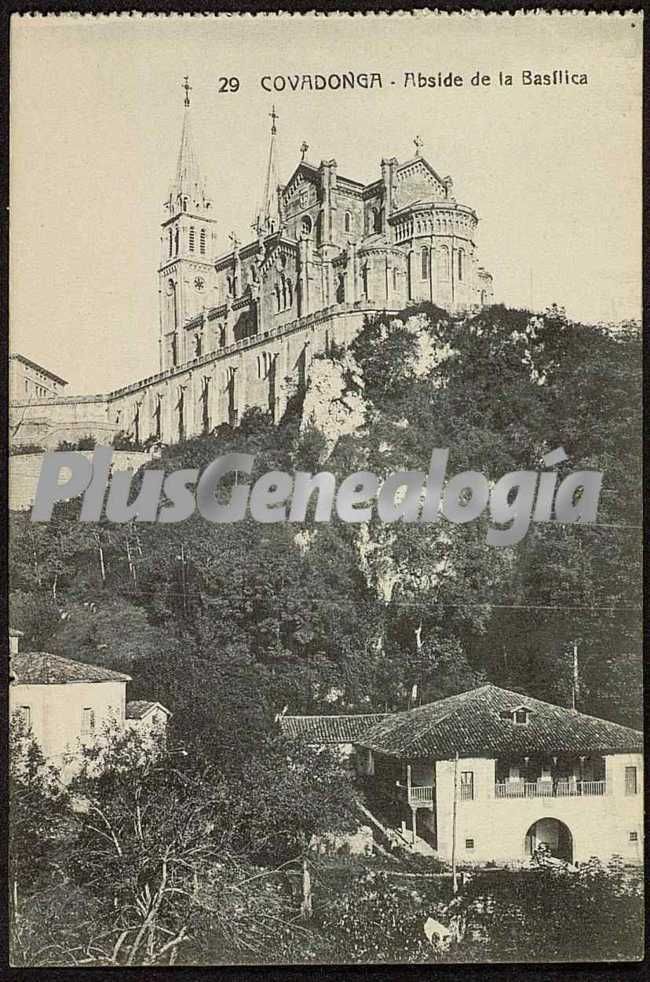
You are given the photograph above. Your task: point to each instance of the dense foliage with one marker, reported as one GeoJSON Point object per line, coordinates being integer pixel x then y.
{"type": "Point", "coordinates": [228, 624]}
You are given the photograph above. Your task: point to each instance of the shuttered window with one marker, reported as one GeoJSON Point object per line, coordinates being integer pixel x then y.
{"type": "Point", "coordinates": [630, 780]}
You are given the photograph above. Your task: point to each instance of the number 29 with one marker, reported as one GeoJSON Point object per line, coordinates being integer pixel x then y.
{"type": "Point", "coordinates": [228, 84]}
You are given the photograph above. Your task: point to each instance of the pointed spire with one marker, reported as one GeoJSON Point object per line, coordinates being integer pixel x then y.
{"type": "Point", "coordinates": [267, 219]}
{"type": "Point", "coordinates": [188, 190]}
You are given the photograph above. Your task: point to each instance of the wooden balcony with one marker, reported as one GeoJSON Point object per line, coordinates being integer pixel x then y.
{"type": "Point", "coordinates": [549, 789]}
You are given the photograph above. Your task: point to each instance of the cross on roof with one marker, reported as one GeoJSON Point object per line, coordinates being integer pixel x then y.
{"type": "Point", "coordinates": [304, 147]}
{"type": "Point", "coordinates": [273, 116]}
{"type": "Point", "coordinates": [419, 142]}
{"type": "Point", "coordinates": [235, 241]}
{"type": "Point", "coordinates": [188, 88]}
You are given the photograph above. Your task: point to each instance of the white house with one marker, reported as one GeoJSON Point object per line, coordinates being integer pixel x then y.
{"type": "Point", "coordinates": [67, 704]}
{"type": "Point", "coordinates": [488, 775]}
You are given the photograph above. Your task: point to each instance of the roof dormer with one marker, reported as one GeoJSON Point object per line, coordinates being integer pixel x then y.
{"type": "Point", "coordinates": [519, 715]}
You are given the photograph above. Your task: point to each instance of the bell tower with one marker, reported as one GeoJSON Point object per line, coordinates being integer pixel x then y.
{"type": "Point", "coordinates": [186, 275]}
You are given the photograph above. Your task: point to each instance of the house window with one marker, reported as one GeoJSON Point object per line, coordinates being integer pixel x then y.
{"type": "Point", "coordinates": [520, 716]}
{"type": "Point", "coordinates": [191, 238]}
{"type": "Point", "coordinates": [306, 225]}
{"type": "Point", "coordinates": [87, 722]}
{"type": "Point", "coordinates": [634, 836]}
{"type": "Point", "coordinates": [202, 242]}
{"type": "Point", "coordinates": [467, 786]}
{"type": "Point", "coordinates": [630, 780]}
{"type": "Point", "coordinates": [469, 843]}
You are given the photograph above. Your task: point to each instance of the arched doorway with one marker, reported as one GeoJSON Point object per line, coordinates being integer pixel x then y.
{"type": "Point", "coordinates": [554, 834]}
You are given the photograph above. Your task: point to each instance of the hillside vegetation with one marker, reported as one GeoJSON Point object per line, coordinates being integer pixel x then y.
{"type": "Point", "coordinates": [227, 624]}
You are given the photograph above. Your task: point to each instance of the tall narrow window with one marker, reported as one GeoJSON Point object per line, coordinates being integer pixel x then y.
{"type": "Point", "coordinates": [348, 221]}
{"type": "Point", "coordinates": [87, 722]}
{"type": "Point", "coordinates": [630, 780]}
{"type": "Point", "coordinates": [191, 238]}
{"type": "Point", "coordinates": [444, 261]}
{"type": "Point", "coordinates": [176, 240]}
{"type": "Point", "coordinates": [425, 263]}
{"type": "Point", "coordinates": [461, 263]}
{"type": "Point", "coordinates": [171, 241]}
{"type": "Point", "coordinates": [340, 288]}
{"type": "Point", "coordinates": [202, 242]}
{"type": "Point", "coordinates": [467, 785]}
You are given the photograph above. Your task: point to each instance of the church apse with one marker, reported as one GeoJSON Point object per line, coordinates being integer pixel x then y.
{"type": "Point", "coordinates": [325, 250]}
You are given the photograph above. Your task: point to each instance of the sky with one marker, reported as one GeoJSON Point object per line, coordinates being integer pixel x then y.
{"type": "Point", "coordinates": [553, 172]}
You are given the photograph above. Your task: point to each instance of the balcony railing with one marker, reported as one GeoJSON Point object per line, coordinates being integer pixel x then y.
{"type": "Point", "coordinates": [549, 789]}
{"type": "Point", "coordinates": [420, 795]}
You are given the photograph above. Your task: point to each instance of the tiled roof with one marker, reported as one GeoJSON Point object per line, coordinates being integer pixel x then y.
{"type": "Point", "coordinates": [41, 668]}
{"type": "Point", "coordinates": [472, 724]}
{"type": "Point", "coordinates": [329, 729]}
{"type": "Point", "coordinates": [139, 708]}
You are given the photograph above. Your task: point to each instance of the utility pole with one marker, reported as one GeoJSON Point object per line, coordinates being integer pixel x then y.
{"type": "Point", "coordinates": [183, 579]}
{"type": "Point", "coordinates": [102, 567]}
{"type": "Point", "coordinates": [454, 880]}
{"type": "Point", "coordinates": [576, 677]}
{"type": "Point", "coordinates": [131, 563]}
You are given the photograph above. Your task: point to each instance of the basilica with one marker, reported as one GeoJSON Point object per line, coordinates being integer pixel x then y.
{"type": "Point", "coordinates": [239, 329]}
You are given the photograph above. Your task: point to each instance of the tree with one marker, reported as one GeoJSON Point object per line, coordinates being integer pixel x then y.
{"type": "Point", "coordinates": [38, 822]}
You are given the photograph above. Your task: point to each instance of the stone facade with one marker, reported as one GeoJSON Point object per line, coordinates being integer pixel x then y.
{"type": "Point", "coordinates": [31, 382]}
{"type": "Point", "coordinates": [241, 329]}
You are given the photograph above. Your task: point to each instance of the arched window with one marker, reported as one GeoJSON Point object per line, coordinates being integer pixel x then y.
{"type": "Point", "coordinates": [424, 256]}
{"type": "Point", "coordinates": [198, 344]}
{"type": "Point", "coordinates": [348, 221]}
{"type": "Point", "coordinates": [202, 242]}
{"type": "Point", "coordinates": [176, 240]}
{"type": "Point", "coordinates": [376, 219]}
{"type": "Point", "coordinates": [277, 298]}
{"type": "Point", "coordinates": [461, 263]}
{"type": "Point", "coordinates": [395, 279]}
{"type": "Point", "coordinates": [444, 261]}
{"type": "Point", "coordinates": [191, 238]}
{"type": "Point", "coordinates": [259, 367]}
{"type": "Point", "coordinates": [306, 225]}
{"type": "Point", "coordinates": [340, 288]}
{"type": "Point", "coordinates": [222, 335]}
{"type": "Point", "coordinates": [365, 279]}
{"type": "Point", "coordinates": [289, 294]}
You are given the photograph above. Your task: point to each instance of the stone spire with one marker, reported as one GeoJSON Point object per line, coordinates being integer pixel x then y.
{"type": "Point", "coordinates": [188, 191]}
{"type": "Point", "coordinates": [267, 219]}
